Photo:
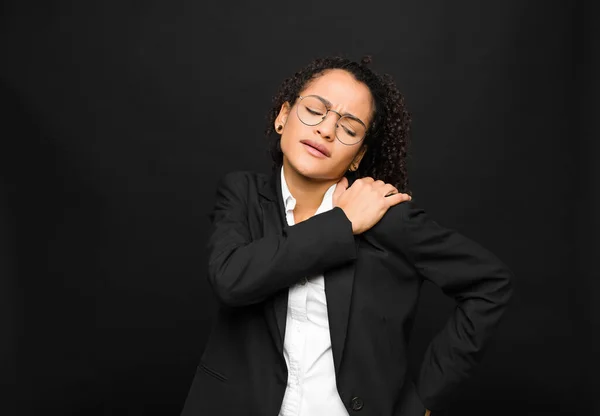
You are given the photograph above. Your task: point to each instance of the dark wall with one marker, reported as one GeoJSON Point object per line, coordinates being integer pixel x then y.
{"type": "Point", "coordinates": [588, 191]}
{"type": "Point", "coordinates": [119, 118]}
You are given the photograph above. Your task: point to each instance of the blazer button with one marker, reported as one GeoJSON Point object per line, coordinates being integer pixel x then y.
{"type": "Point", "coordinates": [357, 403]}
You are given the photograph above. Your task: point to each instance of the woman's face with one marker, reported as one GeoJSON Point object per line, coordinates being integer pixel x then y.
{"type": "Point", "coordinates": [346, 95]}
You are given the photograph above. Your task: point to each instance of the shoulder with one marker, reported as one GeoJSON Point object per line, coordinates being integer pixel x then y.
{"type": "Point", "coordinates": [242, 185]}
{"type": "Point", "coordinates": [240, 179]}
{"type": "Point", "coordinates": [403, 214]}
{"type": "Point", "coordinates": [403, 220]}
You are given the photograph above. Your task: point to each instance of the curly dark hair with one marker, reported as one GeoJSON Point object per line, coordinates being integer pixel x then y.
{"type": "Point", "coordinates": [387, 138]}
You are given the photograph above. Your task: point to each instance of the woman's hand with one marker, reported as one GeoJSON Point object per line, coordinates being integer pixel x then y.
{"type": "Point", "coordinates": [427, 412]}
{"type": "Point", "coordinates": [365, 202]}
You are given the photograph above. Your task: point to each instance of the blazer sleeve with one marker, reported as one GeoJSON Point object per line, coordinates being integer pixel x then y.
{"type": "Point", "coordinates": [478, 281]}
{"type": "Point", "coordinates": [243, 271]}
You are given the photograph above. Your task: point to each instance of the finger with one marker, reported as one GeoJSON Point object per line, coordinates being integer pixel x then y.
{"type": "Point", "coordinates": [341, 186]}
{"type": "Point", "coordinates": [389, 189]}
{"type": "Point", "coordinates": [397, 198]}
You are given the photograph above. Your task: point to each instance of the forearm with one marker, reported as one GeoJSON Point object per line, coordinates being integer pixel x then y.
{"type": "Point", "coordinates": [243, 273]}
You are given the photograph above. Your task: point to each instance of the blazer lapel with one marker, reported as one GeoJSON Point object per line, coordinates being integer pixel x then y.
{"type": "Point", "coordinates": [338, 282]}
{"type": "Point", "coordinates": [273, 217]}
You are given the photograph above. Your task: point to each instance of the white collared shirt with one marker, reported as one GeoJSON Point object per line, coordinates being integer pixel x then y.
{"type": "Point", "coordinates": [311, 389]}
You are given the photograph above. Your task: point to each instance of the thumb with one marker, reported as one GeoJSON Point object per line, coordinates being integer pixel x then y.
{"type": "Point", "coordinates": [341, 186]}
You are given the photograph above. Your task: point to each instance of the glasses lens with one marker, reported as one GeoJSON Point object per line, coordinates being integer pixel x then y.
{"type": "Point", "coordinates": [311, 110]}
{"type": "Point", "coordinates": [350, 131]}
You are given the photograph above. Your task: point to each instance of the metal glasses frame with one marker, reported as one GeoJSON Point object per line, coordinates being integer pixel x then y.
{"type": "Point", "coordinates": [325, 116]}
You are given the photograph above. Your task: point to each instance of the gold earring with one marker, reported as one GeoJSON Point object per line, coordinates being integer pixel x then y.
{"type": "Point", "coordinates": [279, 128]}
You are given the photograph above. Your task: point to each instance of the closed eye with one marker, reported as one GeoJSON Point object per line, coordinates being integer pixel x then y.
{"type": "Point", "coordinates": [349, 132]}
{"type": "Point", "coordinates": [314, 112]}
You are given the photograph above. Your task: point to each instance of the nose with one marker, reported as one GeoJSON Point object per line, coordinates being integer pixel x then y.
{"type": "Point", "coordinates": [326, 128]}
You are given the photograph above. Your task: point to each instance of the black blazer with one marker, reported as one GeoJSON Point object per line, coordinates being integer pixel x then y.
{"type": "Point", "coordinates": [372, 285]}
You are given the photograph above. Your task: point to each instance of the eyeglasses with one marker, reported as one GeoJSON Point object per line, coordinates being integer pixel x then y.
{"type": "Point", "coordinates": [312, 110]}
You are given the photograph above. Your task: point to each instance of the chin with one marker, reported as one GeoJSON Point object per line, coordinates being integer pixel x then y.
{"type": "Point", "coordinates": [306, 168]}
{"type": "Point", "coordinates": [314, 169]}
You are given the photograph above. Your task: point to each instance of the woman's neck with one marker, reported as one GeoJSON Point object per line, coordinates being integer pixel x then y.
{"type": "Point", "coordinates": [307, 192]}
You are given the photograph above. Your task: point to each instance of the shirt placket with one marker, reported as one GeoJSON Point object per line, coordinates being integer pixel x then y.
{"type": "Point", "coordinates": [298, 318]}
{"type": "Point", "coordinates": [297, 339]}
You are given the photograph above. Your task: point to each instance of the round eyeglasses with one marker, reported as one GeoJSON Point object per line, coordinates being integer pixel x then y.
{"type": "Point", "coordinates": [312, 110]}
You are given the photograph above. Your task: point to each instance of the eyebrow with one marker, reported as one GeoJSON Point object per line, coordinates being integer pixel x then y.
{"type": "Point", "coordinates": [329, 105]}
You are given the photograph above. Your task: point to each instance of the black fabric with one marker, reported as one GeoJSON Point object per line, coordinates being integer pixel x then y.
{"type": "Point", "coordinates": [372, 284]}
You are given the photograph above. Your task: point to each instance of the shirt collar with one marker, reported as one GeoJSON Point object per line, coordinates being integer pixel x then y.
{"type": "Point", "coordinates": [288, 200]}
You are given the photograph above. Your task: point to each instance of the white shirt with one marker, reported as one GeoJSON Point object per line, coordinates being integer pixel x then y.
{"type": "Point", "coordinates": [311, 388]}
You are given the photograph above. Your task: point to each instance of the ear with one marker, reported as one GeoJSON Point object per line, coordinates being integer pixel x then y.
{"type": "Point", "coordinates": [282, 116]}
{"type": "Point", "coordinates": [359, 155]}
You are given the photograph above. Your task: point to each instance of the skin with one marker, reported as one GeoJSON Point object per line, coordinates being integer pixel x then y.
{"type": "Point", "coordinates": [308, 177]}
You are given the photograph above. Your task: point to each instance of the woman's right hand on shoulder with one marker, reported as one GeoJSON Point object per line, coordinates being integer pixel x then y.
{"type": "Point", "coordinates": [365, 202]}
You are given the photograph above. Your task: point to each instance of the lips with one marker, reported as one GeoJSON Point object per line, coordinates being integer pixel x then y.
{"type": "Point", "coordinates": [317, 146]}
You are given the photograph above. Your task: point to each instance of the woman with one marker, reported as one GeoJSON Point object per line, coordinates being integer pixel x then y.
{"type": "Point", "coordinates": [318, 266]}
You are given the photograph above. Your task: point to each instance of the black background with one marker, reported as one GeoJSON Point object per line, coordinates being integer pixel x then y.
{"type": "Point", "coordinates": [118, 118]}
